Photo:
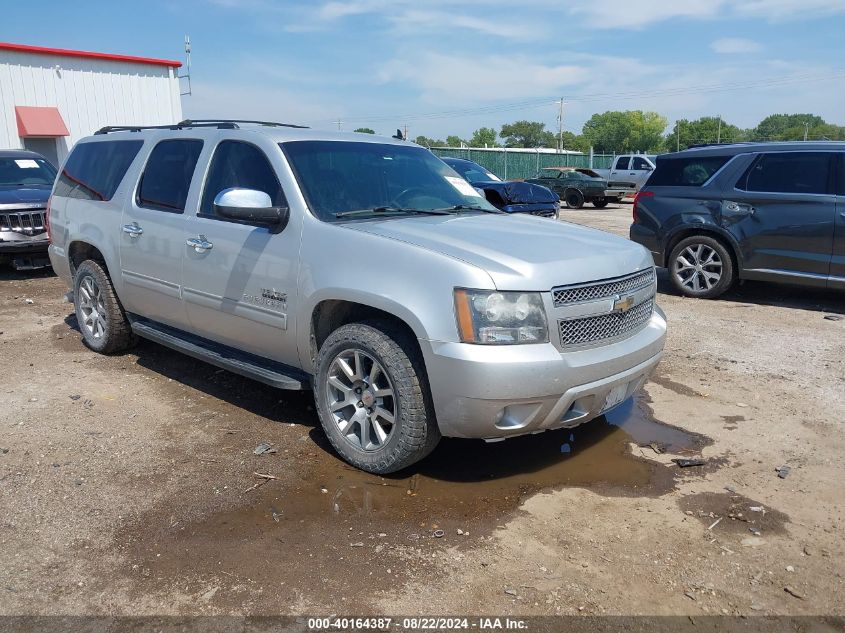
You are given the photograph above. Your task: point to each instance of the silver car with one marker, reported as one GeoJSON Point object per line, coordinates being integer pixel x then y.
{"type": "Point", "coordinates": [361, 267]}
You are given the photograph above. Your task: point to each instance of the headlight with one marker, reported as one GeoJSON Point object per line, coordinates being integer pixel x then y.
{"type": "Point", "coordinates": [500, 318]}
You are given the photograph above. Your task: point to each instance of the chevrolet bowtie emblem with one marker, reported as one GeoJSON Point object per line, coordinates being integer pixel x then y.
{"type": "Point", "coordinates": [623, 304]}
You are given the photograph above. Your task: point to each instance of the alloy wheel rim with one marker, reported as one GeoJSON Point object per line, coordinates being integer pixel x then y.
{"type": "Point", "coordinates": [361, 399]}
{"type": "Point", "coordinates": [698, 267]}
{"type": "Point", "coordinates": [92, 308]}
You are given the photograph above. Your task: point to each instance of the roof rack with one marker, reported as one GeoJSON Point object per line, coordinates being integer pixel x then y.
{"type": "Point", "coordinates": [220, 124]}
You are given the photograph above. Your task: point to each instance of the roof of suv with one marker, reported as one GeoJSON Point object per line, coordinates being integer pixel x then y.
{"type": "Point", "coordinates": [18, 153]}
{"type": "Point", "coordinates": [744, 148]}
{"type": "Point", "coordinates": [278, 134]}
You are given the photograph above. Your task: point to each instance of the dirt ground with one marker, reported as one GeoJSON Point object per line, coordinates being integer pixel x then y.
{"type": "Point", "coordinates": [127, 483]}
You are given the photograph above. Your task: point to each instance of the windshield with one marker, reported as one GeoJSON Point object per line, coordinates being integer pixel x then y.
{"type": "Point", "coordinates": [26, 171]}
{"type": "Point", "coordinates": [473, 172]}
{"type": "Point", "coordinates": [343, 177]}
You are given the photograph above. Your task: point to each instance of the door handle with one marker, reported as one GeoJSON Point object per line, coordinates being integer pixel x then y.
{"type": "Point", "coordinates": [200, 244]}
{"type": "Point", "coordinates": [133, 230]}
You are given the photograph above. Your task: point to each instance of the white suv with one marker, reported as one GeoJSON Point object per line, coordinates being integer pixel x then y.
{"type": "Point", "coordinates": [361, 267]}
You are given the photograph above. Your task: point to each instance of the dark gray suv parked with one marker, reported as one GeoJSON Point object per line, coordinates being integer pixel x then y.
{"type": "Point", "coordinates": [766, 211]}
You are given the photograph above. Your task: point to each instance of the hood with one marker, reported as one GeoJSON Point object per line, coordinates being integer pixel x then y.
{"type": "Point", "coordinates": [519, 252]}
{"type": "Point", "coordinates": [520, 192]}
{"type": "Point", "coordinates": [25, 195]}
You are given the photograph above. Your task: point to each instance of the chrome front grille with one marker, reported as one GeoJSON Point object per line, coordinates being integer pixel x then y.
{"type": "Point", "coordinates": [604, 327]}
{"type": "Point", "coordinates": [25, 222]}
{"type": "Point", "coordinates": [565, 295]}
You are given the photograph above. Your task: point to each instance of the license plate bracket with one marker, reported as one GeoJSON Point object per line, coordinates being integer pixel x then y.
{"type": "Point", "coordinates": [615, 397]}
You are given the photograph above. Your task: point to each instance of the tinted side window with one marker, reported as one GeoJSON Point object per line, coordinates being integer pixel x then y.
{"type": "Point", "coordinates": [237, 164]}
{"type": "Point", "coordinates": [622, 162]}
{"type": "Point", "coordinates": [686, 172]}
{"type": "Point", "coordinates": [640, 163]}
{"type": "Point", "coordinates": [93, 171]}
{"type": "Point", "coordinates": [840, 180]}
{"type": "Point", "coordinates": [788, 173]}
{"type": "Point", "coordinates": [168, 173]}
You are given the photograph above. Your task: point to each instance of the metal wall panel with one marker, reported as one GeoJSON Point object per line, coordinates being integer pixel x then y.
{"type": "Point", "coordinates": [89, 93]}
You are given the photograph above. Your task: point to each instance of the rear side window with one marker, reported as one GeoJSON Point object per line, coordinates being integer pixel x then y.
{"type": "Point", "coordinates": [93, 171]}
{"type": "Point", "coordinates": [794, 172]}
{"type": "Point", "coordinates": [167, 175]}
{"type": "Point", "coordinates": [622, 162]}
{"type": "Point", "coordinates": [238, 164]}
{"type": "Point", "coordinates": [686, 172]}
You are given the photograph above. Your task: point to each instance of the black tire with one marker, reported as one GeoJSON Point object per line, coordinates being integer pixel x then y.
{"type": "Point", "coordinates": [573, 198]}
{"type": "Point", "coordinates": [600, 203]}
{"type": "Point", "coordinates": [414, 432]}
{"type": "Point", "coordinates": [109, 333]}
{"type": "Point", "coordinates": [697, 250]}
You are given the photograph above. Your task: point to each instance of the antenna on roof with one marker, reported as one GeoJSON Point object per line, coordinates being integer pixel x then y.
{"type": "Point", "coordinates": [187, 74]}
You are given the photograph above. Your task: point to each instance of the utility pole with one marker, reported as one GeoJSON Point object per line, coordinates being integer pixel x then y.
{"type": "Point", "coordinates": [406, 132]}
{"type": "Point", "coordinates": [806, 130]}
{"type": "Point", "coordinates": [339, 123]}
{"type": "Point", "coordinates": [719, 132]}
{"type": "Point", "coordinates": [560, 128]}
{"type": "Point", "coordinates": [678, 133]}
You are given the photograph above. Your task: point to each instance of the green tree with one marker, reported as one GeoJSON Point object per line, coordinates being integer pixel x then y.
{"type": "Point", "coordinates": [365, 130]}
{"type": "Point", "coordinates": [484, 137]}
{"type": "Point", "coordinates": [632, 130]}
{"type": "Point", "coordinates": [703, 130]}
{"type": "Point", "coordinates": [428, 142]}
{"type": "Point", "coordinates": [574, 142]}
{"type": "Point", "coordinates": [786, 127]}
{"type": "Point", "coordinates": [454, 141]}
{"type": "Point", "coordinates": [527, 134]}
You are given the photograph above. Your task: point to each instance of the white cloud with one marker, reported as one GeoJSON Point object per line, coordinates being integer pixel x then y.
{"type": "Point", "coordinates": [614, 14]}
{"type": "Point", "coordinates": [731, 45]}
{"type": "Point", "coordinates": [622, 14]}
{"type": "Point", "coordinates": [453, 79]}
{"type": "Point", "coordinates": [780, 9]}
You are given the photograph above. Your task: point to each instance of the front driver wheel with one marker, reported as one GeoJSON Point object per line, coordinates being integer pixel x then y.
{"type": "Point", "coordinates": [372, 397]}
{"type": "Point", "coordinates": [600, 203]}
{"type": "Point", "coordinates": [700, 266]}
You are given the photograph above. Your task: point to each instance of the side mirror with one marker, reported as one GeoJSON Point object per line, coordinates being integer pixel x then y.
{"type": "Point", "coordinates": [250, 205]}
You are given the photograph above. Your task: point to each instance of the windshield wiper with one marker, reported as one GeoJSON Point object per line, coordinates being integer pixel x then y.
{"type": "Point", "coordinates": [469, 207]}
{"type": "Point", "coordinates": [389, 209]}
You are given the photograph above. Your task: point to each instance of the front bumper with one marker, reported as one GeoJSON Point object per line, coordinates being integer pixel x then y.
{"type": "Point", "coordinates": [26, 253]}
{"type": "Point", "coordinates": [11, 242]}
{"type": "Point", "coordinates": [495, 392]}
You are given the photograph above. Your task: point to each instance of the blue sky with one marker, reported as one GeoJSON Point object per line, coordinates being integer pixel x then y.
{"type": "Point", "coordinates": [445, 67]}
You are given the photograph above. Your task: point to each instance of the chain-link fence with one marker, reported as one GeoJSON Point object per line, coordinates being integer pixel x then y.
{"type": "Point", "coordinates": [509, 165]}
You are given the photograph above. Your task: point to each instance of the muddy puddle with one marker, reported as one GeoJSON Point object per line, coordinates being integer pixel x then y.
{"type": "Point", "coordinates": [319, 512]}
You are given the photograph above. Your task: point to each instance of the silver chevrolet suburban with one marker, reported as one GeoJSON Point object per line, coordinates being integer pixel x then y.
{"type": "Point", "coordinates": [361, 267]}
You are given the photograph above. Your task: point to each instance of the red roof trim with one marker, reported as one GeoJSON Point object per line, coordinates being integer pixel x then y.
{"type": "Point", "coordinates": [26, 48]}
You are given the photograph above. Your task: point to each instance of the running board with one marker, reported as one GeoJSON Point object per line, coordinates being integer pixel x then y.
{"type": "Point", "coordinates": [248, 365]}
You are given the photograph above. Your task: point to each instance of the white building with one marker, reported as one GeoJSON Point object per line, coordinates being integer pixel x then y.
{"type": "Point", "coordinates": [50, 97]}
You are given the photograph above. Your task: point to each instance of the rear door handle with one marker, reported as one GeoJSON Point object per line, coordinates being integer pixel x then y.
{"type": "Point", "coordinates": [133, 230]}
{"type": "Point", "coordinates": [200, 243]}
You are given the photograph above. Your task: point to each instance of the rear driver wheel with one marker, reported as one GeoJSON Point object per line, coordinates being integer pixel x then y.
{"type": "Point", "coordinates": [102, 321]}
{"type": "Point", "coordinates": [701, 266]}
